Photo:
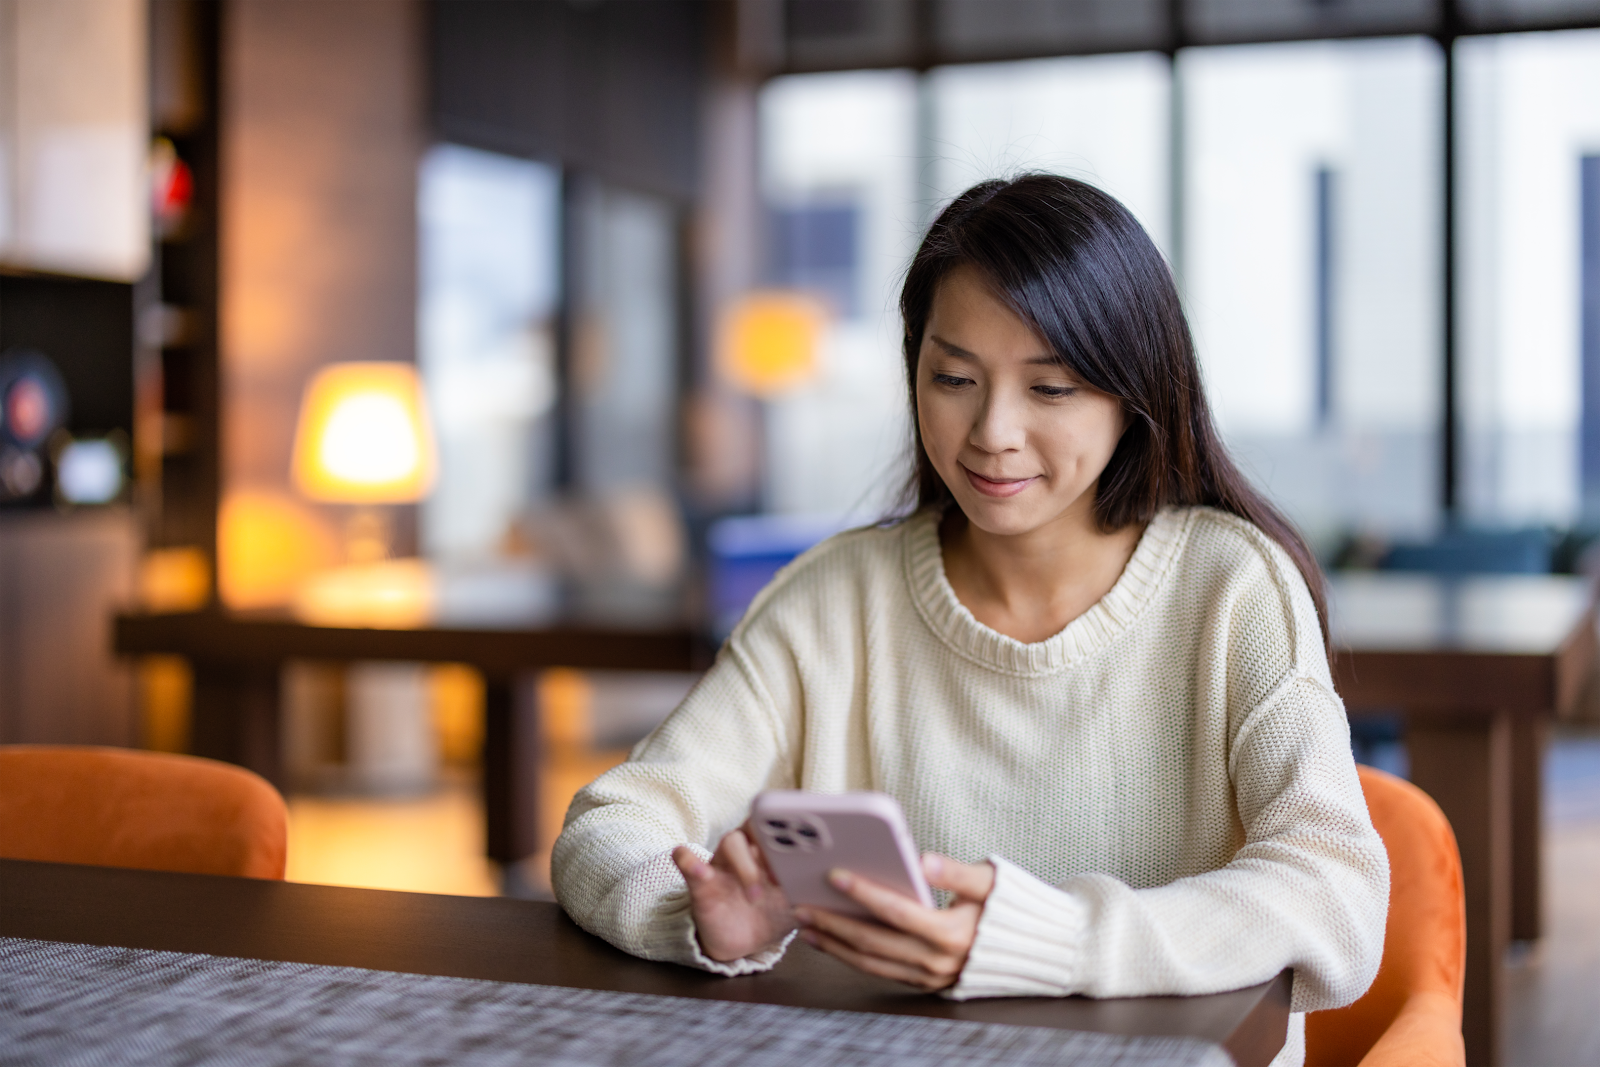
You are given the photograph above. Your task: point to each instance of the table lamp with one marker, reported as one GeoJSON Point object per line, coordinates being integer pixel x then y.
{"type": "Point", "coordinates": [363, 438]}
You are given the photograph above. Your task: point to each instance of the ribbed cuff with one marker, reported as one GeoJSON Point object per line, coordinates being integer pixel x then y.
{"type": "Point", "coordinates": [1029, 941]}
{"type": "Point", "coordinates": [761, 961]}
{"type": "Point", "coordinates": [674, 924]}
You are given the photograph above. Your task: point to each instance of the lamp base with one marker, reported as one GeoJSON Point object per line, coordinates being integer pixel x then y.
{"type": "Point", "coordinates": [368, 535]}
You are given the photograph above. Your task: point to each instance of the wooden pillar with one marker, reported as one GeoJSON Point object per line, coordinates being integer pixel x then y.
{"type": "Point", "coordinates": [235, 717]}
{"type": "Point", "coordinates": [510, 768]}
{"type": "Point", "coordinates": [1466, 766]}
{"type": "Point", "coordinates": [1530, 735]}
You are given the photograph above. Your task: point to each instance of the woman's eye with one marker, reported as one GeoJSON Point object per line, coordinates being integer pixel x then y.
{"type": "Point", "coordinates": [951, 380]}
{"type": "Point", "coordinates": [1054, 392]}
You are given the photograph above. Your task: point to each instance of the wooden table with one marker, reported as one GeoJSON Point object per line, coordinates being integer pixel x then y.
{"type": "Point", "coordinates": [527, 941]}
{"type": "Point", "coordinates": [1476, 666]}
{"type": "Point", "coordinates": [237, 660]}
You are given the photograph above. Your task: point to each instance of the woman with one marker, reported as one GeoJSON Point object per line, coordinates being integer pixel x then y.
{"type": "Point", "coordinates": [1091, 666]}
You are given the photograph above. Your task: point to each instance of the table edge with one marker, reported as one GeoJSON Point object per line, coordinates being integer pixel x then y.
{"type": "Point", "coordinates": [1253, 1040]}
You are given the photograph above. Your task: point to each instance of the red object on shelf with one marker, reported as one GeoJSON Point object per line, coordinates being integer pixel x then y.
{"type": "Point", "coordinates": [171, 182]}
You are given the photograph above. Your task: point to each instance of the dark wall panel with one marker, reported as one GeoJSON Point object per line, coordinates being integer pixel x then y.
{"type": "Point", "coordinates": [86, 327]}
{"type": "Point", "coordinates": [611, 87]}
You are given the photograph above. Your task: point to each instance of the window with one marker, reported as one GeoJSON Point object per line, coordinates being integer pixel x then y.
{"type": "Point", "coordinates": [1105, 119]}
{"type": "Point", "coordinates": [489, 264]}
{"type": "Point", "coordinates": [852, 177]}
{"type": "Point", "coordinates": [625, 343]}
{"type": "Point", "coordinates": [1311, 271]}
{"type": "Point", "coordinates": [1298, 189]}
{"type": "Point", "coordinates": [1529, 121]}
{"type": "Point", "coordinates": [838, 173]}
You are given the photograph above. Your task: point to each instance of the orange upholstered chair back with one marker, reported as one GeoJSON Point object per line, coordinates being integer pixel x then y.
{"type": "Point", "coordinates": [116, 808]}
{"type": "Point", "coordinates": [1412, 1013]}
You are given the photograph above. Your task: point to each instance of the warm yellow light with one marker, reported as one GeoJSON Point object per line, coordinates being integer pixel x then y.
{"type": "Point", "coordinates": [364, 436]}
{"type": "Point", "coordinates": [456, 693]}
{"type": "Point", "coordinates": [166, 702]}
{"type": "Point", "coordinates": [396, 594]}
{"type": "Point", "coordinates": [769, 341]}
{"type": "Point", "coordinates": [267, 542]}
{"type": "Point", "coordinates": [174, 579]}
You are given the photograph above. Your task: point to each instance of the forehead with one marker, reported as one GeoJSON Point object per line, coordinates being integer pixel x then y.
{"type": "Point", "coordinates": [969, 321]}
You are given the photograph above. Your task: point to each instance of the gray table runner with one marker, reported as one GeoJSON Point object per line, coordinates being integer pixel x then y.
{"type": "Point", "coordinates": [64, 1004]}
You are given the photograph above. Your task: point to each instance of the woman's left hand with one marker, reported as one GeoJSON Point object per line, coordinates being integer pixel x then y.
{"type": "Point", "coordinates": [918, 945]}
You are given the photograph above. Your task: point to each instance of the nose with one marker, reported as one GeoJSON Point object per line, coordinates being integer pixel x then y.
{"type": "Point", "coordinates": [999, 425]}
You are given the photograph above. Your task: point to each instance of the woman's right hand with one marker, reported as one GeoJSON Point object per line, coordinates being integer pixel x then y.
{"type": "Point", "coordinates": [737, 905]}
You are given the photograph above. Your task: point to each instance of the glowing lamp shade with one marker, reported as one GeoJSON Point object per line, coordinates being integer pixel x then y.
{"type": "Point", "coordinates": [768, 341]}
{"type": "Point", "coordinates": [364, 436]}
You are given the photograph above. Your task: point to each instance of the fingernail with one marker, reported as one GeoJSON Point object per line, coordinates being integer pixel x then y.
{"type": "Point", "coordinates": [802, 916]}
{"type": "Point", "coordinates": [809, 937]}
{"type": "Point", "coordinates": [754, 893]}
{"type": "Point", "coordinates": [932, 865]}
{"type": "Point", "coordinates": [840, 879]}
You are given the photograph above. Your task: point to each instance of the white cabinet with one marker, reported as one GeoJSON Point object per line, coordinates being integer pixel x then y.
{"type": "Point", "coordinates": [74, 137]}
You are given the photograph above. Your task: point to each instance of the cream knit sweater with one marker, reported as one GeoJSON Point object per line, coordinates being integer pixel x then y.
{"type": "Point", "coordinates": [1165, 786]}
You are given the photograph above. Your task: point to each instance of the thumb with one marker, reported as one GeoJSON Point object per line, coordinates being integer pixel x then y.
{"type": "Point", "coordinates": [690, 865]}
{"type": "Point", "coordinates": [970, 881]}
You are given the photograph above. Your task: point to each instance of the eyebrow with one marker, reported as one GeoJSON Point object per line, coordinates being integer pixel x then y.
{"type": "Point", "coordinates": [961, 353]}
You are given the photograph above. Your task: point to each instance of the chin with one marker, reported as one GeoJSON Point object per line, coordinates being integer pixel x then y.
{"type": "Point", "coordinates": [1001, 518]}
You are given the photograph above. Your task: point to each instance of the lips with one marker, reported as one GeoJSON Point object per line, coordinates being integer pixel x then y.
{"type": "Point", "coordinates": [997, 487]}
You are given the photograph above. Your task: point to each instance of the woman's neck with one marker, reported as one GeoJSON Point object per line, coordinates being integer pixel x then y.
{"type": "Point", "coordinates": [1030, 586]}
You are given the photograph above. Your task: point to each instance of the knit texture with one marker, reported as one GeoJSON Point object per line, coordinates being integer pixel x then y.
{"type": "Point", "coordinates": [1165, 786]}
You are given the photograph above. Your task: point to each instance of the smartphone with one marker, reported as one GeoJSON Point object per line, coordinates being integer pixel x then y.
{"type": "Point", "coordinates": [805, 835]}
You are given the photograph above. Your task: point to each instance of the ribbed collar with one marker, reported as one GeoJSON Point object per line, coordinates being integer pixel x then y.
{"type": "Point", "coordinates": [1083, 637]}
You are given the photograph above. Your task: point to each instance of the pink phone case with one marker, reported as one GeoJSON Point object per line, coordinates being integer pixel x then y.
{"type": "Point", "coordinates": [805, 835]}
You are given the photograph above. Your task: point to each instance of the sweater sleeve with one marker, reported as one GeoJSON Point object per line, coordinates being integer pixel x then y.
{"type": "Point", "coordinates": [1308, 889]}
{"type": "Point", "coordinates": [688, 782]}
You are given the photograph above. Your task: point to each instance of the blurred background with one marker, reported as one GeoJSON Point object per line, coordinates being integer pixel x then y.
{"type": "Point", "coordinates": [371, 312]}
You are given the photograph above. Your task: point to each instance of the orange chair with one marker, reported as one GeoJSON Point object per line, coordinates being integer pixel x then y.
{"type": "Point", "coordinates": [117, 808]}
{"type": "Point", "coordinates": [1412, 1014]}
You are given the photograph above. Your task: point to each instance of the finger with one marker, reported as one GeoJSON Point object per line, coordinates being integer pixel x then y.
{"type": "Point", "coordinates": [690, 865]}
{"type": "Point", "coordinates": [741, 857]}
{"type": "Point", "coordinates": [876, 965]}
{"type": "Point", "coordinates": [749, 831]}
{"type": "Point", "coordinates": [890, 907]}
{"type": "Point", "coordinates": [971, 881]}
{"type": "Point", "coordinates": [869, 938]}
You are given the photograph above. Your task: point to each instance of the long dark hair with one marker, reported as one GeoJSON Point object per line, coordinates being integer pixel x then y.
{"type": "Point", "coordinates": [1075, 265]}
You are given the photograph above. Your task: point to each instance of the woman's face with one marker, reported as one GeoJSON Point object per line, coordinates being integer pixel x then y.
{"type": "Point", "coordinates": [1018, 439]}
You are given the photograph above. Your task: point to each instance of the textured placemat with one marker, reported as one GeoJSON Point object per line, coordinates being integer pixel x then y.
{"type": "Point", "coordinates": [64, 1004]}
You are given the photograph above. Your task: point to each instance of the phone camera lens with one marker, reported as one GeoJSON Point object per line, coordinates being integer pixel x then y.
{"type": "Point", "coordinates": [784, 839]}
{"type": "Point", "coordinates": [778, 824]}
{"type": "Point", "coordinates": [808, 831]}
